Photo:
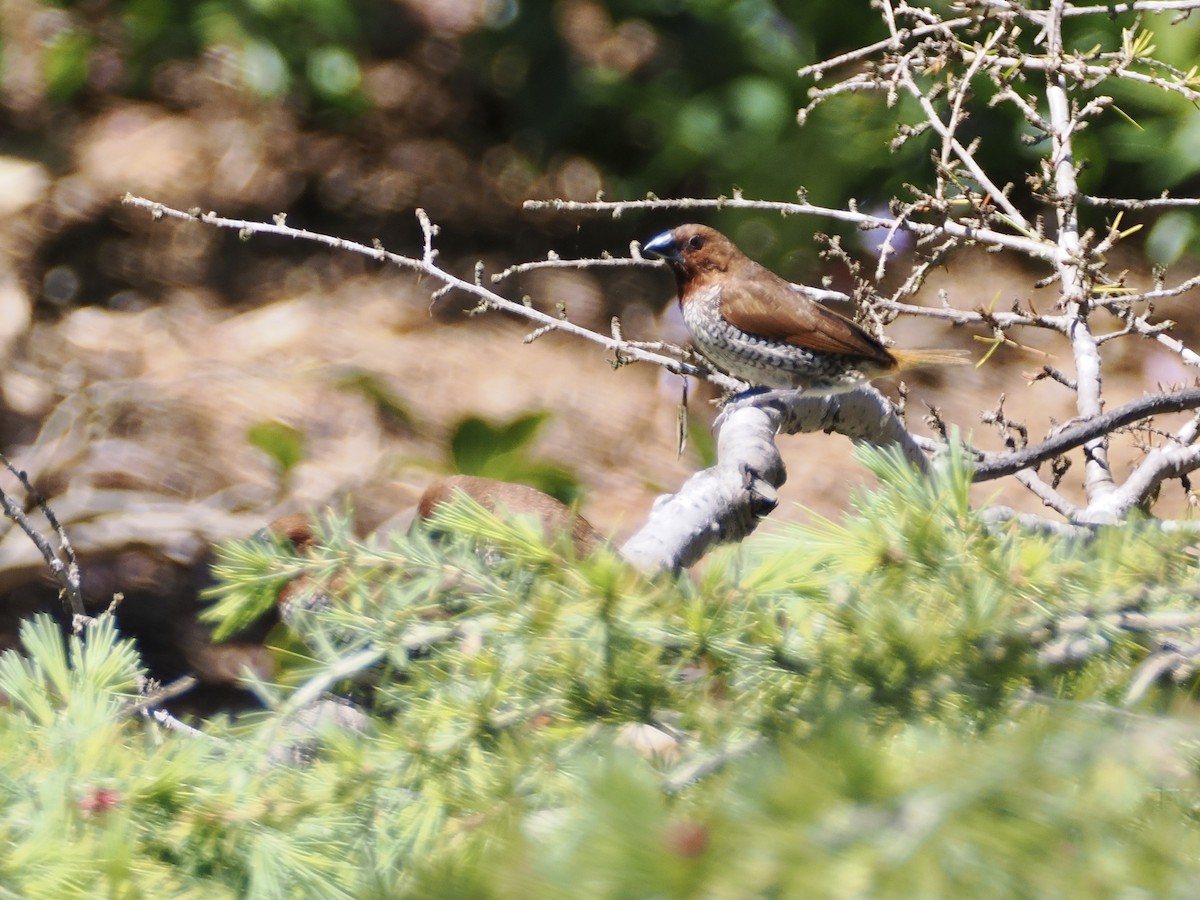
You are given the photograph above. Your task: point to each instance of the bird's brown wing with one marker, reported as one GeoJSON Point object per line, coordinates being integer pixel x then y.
{"type": "Point", "coordinates": [763, 304]}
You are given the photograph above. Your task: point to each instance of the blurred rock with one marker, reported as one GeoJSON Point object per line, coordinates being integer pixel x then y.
{"type": "Point", "coordinates": [22, 183]}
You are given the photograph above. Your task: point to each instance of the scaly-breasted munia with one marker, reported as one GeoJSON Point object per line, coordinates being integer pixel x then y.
{"type": "Point", "coordinates": [759, 328]}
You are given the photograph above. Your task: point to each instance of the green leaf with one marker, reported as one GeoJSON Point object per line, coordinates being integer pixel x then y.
{"type": "Point", "coordinates": [391, 409]}
{"type": "Point", "coordinates": [476, 442]}
{"type": "Point", "coordinates": [280, 441]}
{"type": "Point", "coordinates": [500, 450]}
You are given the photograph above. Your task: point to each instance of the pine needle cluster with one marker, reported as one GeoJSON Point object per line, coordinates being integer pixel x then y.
{"type": "Point", "coordinates": [907, 702]}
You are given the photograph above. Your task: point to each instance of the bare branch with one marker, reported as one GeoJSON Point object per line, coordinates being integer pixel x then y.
{"type": "Point", "coordinates": [159, 695]}
{"type": "Point", "coordinates": [950, 143]}
{"type": "Point", "coordinates": [1158, 465]}
{"type": "Point", "coordinates": [725, 503]}
{"type": "Point", "coordinates": [553, 261]}
{"type": "Point", "coordinates": [998, 515]}
{"type": "Point", "coordinates": [1048, 495]}
{"type": "Point", "coordinates": [1161, 293]}
{"type": "Point", "coordinates": [1163, 202]}
{"type": "Point", "coordinates": [1114, 9]}
{"type": "Point", "coordinates": [1038, 249]}
{"type": "Point", "coordinates": [1078, 69]}
{"type": "Point", "coordinates": [817, 70]}
{"type": "Point", "coordinates": [1098, 478]}
{"type": "Point", "coordinates": [1003, 320]}
{"type": "Point", "coordinates": [989, 466]}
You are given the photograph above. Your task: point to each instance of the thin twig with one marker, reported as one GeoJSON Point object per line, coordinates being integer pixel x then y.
{"type": "Point", "coordinates": [1151, 203]}
{"type": "Point", "coordinates": [1044, 250]}
{"type": "Point", "coordinates": [179, 686]}
{"type": "Point", "coordinates": [427, 266]}
{"type": "Point", "coordinates": [66, 574]}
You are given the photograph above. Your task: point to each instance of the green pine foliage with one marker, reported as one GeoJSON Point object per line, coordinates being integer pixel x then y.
{"type": "Point", "coordinates": [904, 703]}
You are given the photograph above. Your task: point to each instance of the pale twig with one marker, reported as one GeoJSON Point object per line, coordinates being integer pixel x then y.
{"type": "Point", "coordinates": [1190, 357]}
{"type": "Point", "coordinates": [998, 515]}
{"type": "Point", "coordinates": [1115, 9]}
{"type": "Point", "coordinates": [1161, 293]}
{"type": "Point", "coordinates": [1044, 250]}
{"type": "Point", "coordinates": [1003, 320]}
{"type": "Point", "coordinates": [1163, 202]}
{"type": "Point", "coordinates": [1098, 478]}
{"type": "Point", "coordinates": [1078, 69]}
{"type": "Point", "coordinates": [168, 721]}
{"type": "Point", "coordinates": [1189, 433]}
{"type": "Point", "coordinates": [179, 686]}
{"type": "Point", "coordinates": [687, 775]}
{"type": "Point", "coordinates": [951, 144]}
{"type": "Point", "coordinates": [635, 260]}
{"type": "Point", "coordinates": [1048, 495]}
{"type": "Point", "coordinates": [817, 70]}
{"type": "Point", "coordinates": [1009, 7]}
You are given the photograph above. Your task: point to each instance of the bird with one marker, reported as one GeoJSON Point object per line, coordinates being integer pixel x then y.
{"type": "Point", "coordinates": [761, 329]}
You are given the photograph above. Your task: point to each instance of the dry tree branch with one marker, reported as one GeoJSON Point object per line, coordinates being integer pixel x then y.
{"type": "Point", "coordinates": [1113, 9]}
{"type": "Point", "coordinates": [1048, 495]}
{"type": "Point", "coordinates": [635, 260]}
{"type": "Point", "coordinates": [1078, 69]}
{"type": "Point", "coordinates": [1073, 275]}
{"type": "Point", "coordinates": [1161, 293]}
{"type": "Point", "coordinates": [1038, 249]}
{"type": "Point", "coordinates": [951, 144]}
{"type": "Point", "coordinates": [899, 36]}
{"type": "Point", "coordinates": [726, 502]}
{"type": "Point", "coordinates": [159, 694]}
{"type": "Point", "coordinates": [989, 466]}
{"type": "Point", "coordinates": [1003, 320]}
{"type": "Point", "coordinates": [1152, 203]}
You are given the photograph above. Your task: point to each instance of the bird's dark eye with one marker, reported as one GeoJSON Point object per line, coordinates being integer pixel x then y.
{"type": "Point", "coordinates": [695, 242]}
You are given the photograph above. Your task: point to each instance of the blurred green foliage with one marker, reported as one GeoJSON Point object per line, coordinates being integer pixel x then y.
{"type": "Point", "coordinates": [501, 450]}
{"type": "Point", "coordinates": [282, 443]}
{"type": "Point", "coordinates": [389, 406]}
{"type": "Point", "coordinates": [867, 708]}
{"type": "Point", "coordinates": [678, 97]}
{"type": "Point", "coordinates": [285, 47]}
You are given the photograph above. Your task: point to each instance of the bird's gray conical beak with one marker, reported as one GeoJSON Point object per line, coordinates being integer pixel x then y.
{"type": "Point", "coordinates": [663, 245]}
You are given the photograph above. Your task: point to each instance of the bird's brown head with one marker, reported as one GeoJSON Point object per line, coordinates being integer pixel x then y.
{"type": "Point", "coordinates": [694, 251]}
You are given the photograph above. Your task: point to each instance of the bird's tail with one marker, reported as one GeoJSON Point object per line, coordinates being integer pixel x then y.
{"type": "Point", "coordinates": [912, 359]}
